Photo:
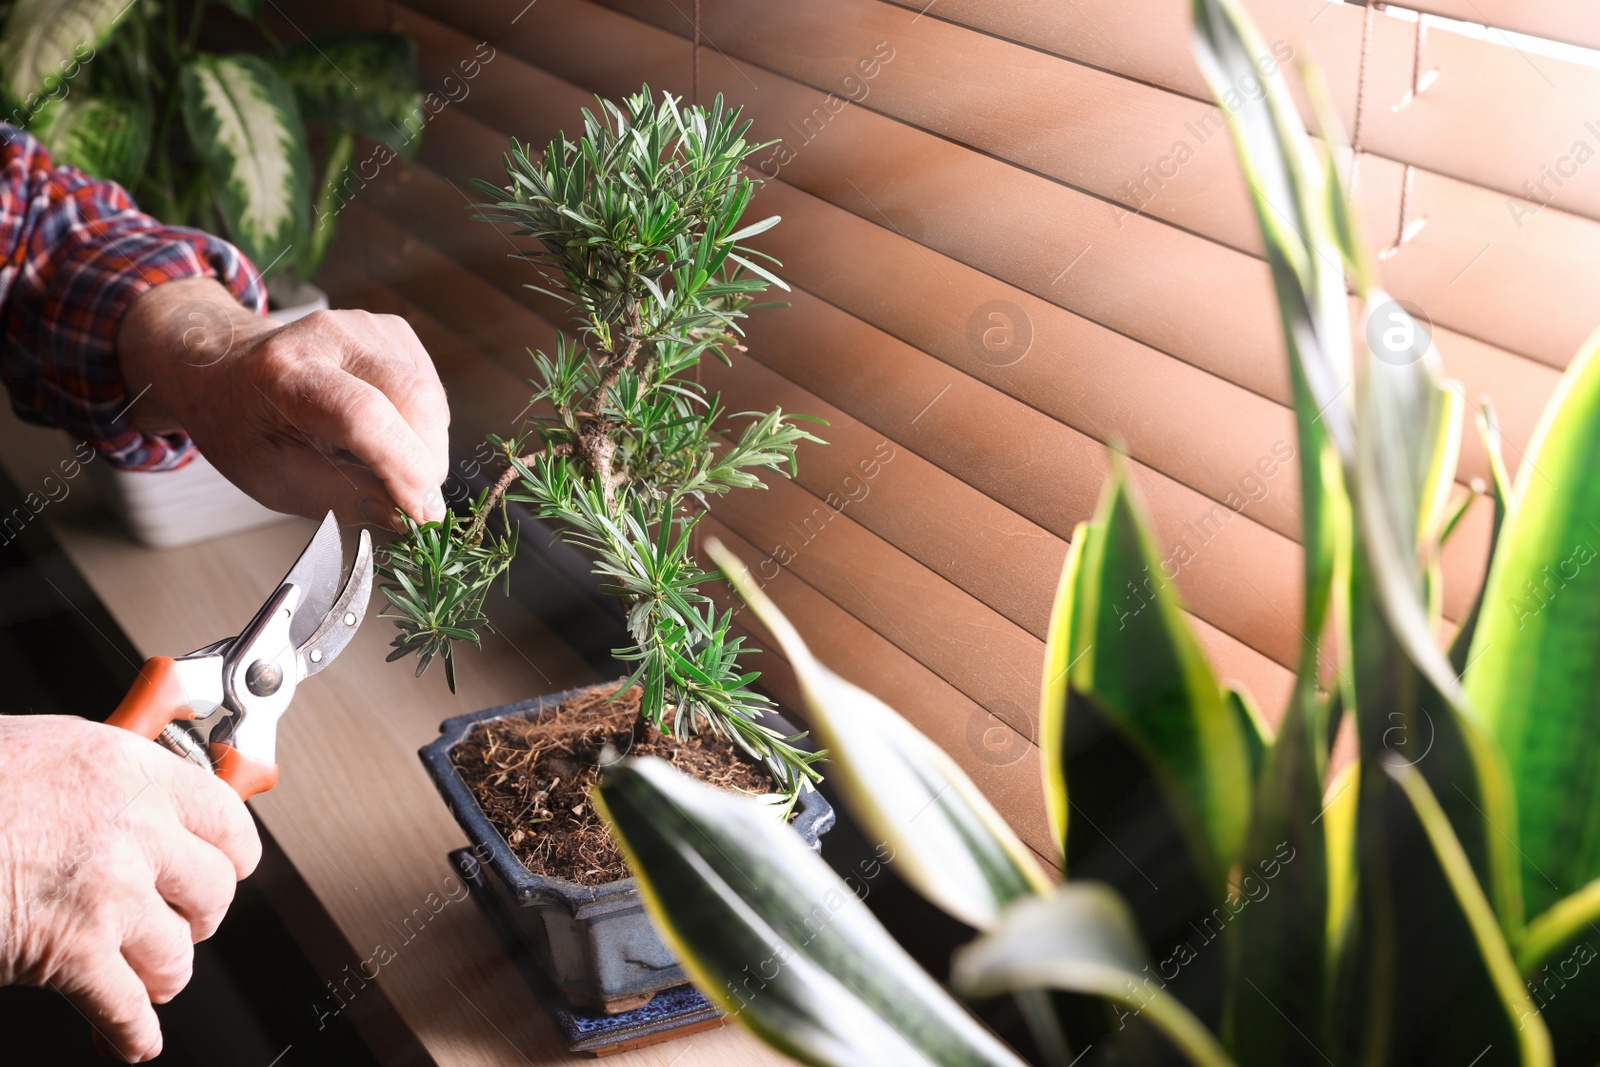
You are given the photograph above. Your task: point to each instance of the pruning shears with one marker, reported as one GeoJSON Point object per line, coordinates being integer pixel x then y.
{"type": "Point", "coordinates": [219, 706]}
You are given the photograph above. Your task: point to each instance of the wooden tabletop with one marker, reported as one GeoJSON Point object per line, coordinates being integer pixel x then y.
{"type": "Point", "coordinates": [361, 835]}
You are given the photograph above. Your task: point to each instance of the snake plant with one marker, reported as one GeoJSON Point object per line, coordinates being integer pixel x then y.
{"type": "Point", "coordinates": [123, 92]}
{"type": "Point", "coordinates": [1226, 897]}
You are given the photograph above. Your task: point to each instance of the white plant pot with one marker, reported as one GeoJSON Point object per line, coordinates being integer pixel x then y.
{"type": "Point", "coordinates": [165, 509]}
{"type": "Point", "coordinates": [293, 299]}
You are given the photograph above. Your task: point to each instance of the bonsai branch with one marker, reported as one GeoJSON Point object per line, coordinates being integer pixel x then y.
{"type": "Point", "coordinates": [502, 485]}
{"type": "Point", "coordinates": [596, 444]}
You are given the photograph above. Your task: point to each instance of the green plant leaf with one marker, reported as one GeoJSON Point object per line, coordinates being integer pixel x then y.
{"type": "Point", "coordinates": [1406, 460]}
{"type": "Point", "coordinates": [769, 932]}
{"type": "Point", "coordinates": [1532, 1038]}
{"type": "Point", "coordinates": [1403, 923]}
{"type": "Point", "coordinates": [1429, 996]}
{"type": "Point", "coordinates": [360, 80]}
{"type": "Point", "coordinates": [1283, 938]}
{"type": "Point", "coordinates": [45, 41]}
{"type": "Point", "coordinates": [1534, 671]}
{"type": "Point", "coordinates": [325, 211]}
{"type": "Point", "coordinates": [1131, 647]}
{"type": "Point", "coordinates": [1558, 927]}
{"type": "Point", "coordinates": [1147, 763]}
{"type": "Point", "coordinates": [1252, 728]}
{"type": "Point", "coordinates": [106, 136]}
{"type": "Point", "coordinates": [1081, 939]}
{"type": "Point", "coordinates": [1505, 503]}
{"type": "Point", "coordinates": [249, 9]}
{"type": "Point", "coordinates": [243, 121]}
{"type": "Point", "coordinates": [948, 840]}
{"type": "Point", "coordinates": [1557, 956]}
{"type": "Point", "coordinates": [1282, 933]}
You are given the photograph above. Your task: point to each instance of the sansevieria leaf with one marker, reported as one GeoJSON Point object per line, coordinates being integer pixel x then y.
{"type": "Point", "coordinates": [247, 129]}
{"type": "Point", "coordinates": [770, 933]}
{"type": "Point", "coordinates": [46, 40]}
{"type": "Point", "coordinates": [1534, 671]}
{"type": "Point", "coordinates": [361, 80]}
{"type": "Point", "coordinates": [1504, 496]}
{"type": "Point", "coordinates": [1082, 939]}
{"type": "Point", "coordinates": [948, 840]}
{"type": "Point", "coordinates": [1282, 938]}
{"type": "Point", "coordinates": [1557, 956]}
{"type": "Point", "coordinates": [1431, 993]}
{"type": "Point", "coordinates": [1532, 1038]}
{"type": "Point", "coordinates": [1147, 759]}
{"type": "Point", "coordinates": [106, 136]}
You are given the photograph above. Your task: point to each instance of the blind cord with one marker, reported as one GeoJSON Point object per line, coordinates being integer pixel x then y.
{"type": "Point", "coordinates": [694, 58]}
{"type": "Point", "coordinates": [1361, 96]}
{"type": "Point", "coordinates": [1405, 228]}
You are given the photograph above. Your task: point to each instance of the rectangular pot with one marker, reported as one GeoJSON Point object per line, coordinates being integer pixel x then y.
{"type": "Point", "coordinates": [596, 943]}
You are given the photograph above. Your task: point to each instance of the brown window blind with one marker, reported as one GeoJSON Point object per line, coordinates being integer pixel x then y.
{"type": "Point", "coordinates": [1015, 231]}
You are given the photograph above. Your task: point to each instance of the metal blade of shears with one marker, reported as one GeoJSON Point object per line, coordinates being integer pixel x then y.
{"type": "Point", "coordinates": [317, 573]}
{"type": "Point", "coordinates": [339, 625]}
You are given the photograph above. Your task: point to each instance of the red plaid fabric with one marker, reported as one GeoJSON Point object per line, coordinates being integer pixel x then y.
{"type": "Point", "coordinates": [74, 254]}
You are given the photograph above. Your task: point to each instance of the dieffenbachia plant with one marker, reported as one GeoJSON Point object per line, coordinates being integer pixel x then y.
{"type": "Point", "coordinates": [1228, 899]}
{"type": "Point", "coordinates": [121, 91]}
{"type": "Point", "coordinates": [637, 228]}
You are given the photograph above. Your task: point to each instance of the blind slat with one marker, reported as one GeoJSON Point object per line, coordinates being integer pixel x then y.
{"type": "Point", "coordinates": [1154, 152]}
{"type": "Point", "coordinates": [1493, 117]}
{"type": "Point", "coordinates": [1130, 273]}
{"type": "Point", "coordinates": [922, 280]}
{"type": "Point", "coordinates": [951, 720]}
{"type": "Point", "coordinates": [1556, 20]}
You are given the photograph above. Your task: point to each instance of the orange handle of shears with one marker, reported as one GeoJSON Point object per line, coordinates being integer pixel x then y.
{"type": "Point", "coordinates": [157, 698]}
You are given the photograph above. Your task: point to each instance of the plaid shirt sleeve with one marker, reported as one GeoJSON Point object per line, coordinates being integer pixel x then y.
{"type": "Point", "coordinates": [74, 254]}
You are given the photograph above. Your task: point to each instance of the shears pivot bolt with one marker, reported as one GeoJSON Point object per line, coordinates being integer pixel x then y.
{"type": "Point", "coordinates": [263, 678]}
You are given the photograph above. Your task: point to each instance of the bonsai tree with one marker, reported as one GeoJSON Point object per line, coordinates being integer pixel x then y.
{"type": "Point", "coordinates": [636, 227]}
{"type": "Point", "coordinates": [219, 142]}
{"type": "Point", "coordinates": [1228, 898]}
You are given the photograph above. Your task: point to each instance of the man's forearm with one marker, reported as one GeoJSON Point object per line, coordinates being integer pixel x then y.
{"type": "Point", "coordinates": [171, 337]}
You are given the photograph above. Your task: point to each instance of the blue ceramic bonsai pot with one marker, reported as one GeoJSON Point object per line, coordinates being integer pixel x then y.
{"type": "Point", "coordinates": [596, 943]}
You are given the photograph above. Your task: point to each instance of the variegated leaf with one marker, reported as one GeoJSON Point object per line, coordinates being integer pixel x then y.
{"type": "Point", "coordinates": [46, 40]}
{"type": "Point", "coordinates": [243, 120]}
{"type": "Point", "coordinates": [773, 936]}
{"type": "Point", "coordinates": [106, 136]}
{"type": "Point", "coordinates": [948, 840]}
{"type": "Point", "coordinates": [361, 80]}
{"type": "Point", "coordinates": [1082, 939]}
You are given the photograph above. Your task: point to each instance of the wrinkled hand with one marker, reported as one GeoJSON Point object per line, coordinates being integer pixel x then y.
{"type": "Point", "coordinates": [342, 410]}
{"type": "Point", "coordinates": [115, 858]}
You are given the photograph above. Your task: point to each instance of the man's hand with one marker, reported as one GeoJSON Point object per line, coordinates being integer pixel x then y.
{"type": "Point", "coordinates": [115, 858]}
{"type": "Point", "coordinates": [341, 410]}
